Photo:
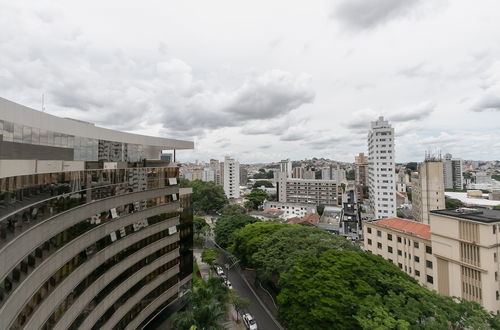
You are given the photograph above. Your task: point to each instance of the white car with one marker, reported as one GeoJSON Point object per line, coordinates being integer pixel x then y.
{"type": "Point", "coordinates": [228, 284]}
{"type": "Point", "coordinates": [249, 321]}
{"type": "Point", "coordinates": [219, 271]}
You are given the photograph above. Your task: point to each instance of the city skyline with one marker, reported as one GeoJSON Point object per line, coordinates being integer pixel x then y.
{"type": "Point", "coordinates": [314, 80]}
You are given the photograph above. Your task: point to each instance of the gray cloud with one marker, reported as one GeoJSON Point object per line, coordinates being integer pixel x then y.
{"type": "Point", "coordinates": [487, 102]}
{"type": "Point", "coordinates": [361, 14]}
{"type": "Point", "coordinates": [418, 112]}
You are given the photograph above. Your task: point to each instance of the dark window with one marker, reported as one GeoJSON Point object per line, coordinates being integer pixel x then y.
{"type": "Point", "coordinates": [430, 279]}
{"type": "Point", "coordinates": [400, 265]}
{"type": "Point", "coordinates": [417, 273]}
{"type": "Point", "coordinates": [389, 237]}
{"type": "Point", "coordinates": [417, 259]}
{"type": "Point", "coordinates": [369, 242]}
{"type": "Point", "coordinates": [416, 245]}
{"type": "Point", "coordinates": [428, 249]}
{"type": "Point", "coordinates": [399, 239]}
{"type": "Point", "coordinates": [389, 249]}
{"type": "Point", "coordinates": [379, 245]}
{"type": "Point", "coordinates": [379, 233]}
{"type": "Point", "coordinates": [369, 230]}
{"type": "Point", "coordinates": [390, 260]}
{"type": "Point", "coordinates": [428, 263]}
{"type": "Point", "coordinates": [400, 253]}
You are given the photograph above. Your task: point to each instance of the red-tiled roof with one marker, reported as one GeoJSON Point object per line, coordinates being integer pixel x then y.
{"type": "Point", "coordinates": [312, 218]}
{"type": "Point", "coordinates": [417, 228]}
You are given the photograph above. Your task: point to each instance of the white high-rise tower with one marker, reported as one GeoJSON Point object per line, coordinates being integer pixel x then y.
{"type": "Point", "coordinates": [381, 170]}
{"type": "Point", "coordinates": [231, 178]}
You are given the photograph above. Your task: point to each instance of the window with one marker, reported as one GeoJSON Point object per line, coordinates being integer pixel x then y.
{"type": "Point", "coordinates": [399, 239]}
{"type": "Point", "coordinates": [428, 263]}
{"type": "Point", "coordinates": [415, 245]}
{"type": "Point", "coordinates": [495, 231]}
{"type": "Point", "coordinates": [389, 249]}
{"type": "Point", "coordinates": [430, 279]}
{"type": "Point", "coordinates": [400, 265]}
{"type": "Point", "coordinates": [495, 257]}
{"type": "Point", "coordinates": [400, 253]}
{"type": "Point", "coordinates": [369, 242]}
{"type": "Point", "coordinates": [389, 237]}
{"type": "Point", "coordinates": [417, 272]}
{"type": "Point", "coordinates": [417, 259]}
{"type": "Point", "coordinates": [379, 245]}
{"type": "Point", "coordinates": [369, 230]}
{"type": "Point", "coordinates": [428, 249]}
{"type": "Point", "coordinates": [379, 233]}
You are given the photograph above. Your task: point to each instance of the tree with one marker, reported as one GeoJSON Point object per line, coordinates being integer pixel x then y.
{"type": "Point", "coordinates": [200, 228]}
{"type": "Point", "coordinates": [261, 183]}
{"type": "Point", "coordinates": [496, 177]}
{"type": "Point", "coordinates": [238, 302]}
{"type": "Point", "coordinates": [233, 210]}
{"type": "Point", "coordinates": [207, 196]}
{"type": "Point", "coordinates": [226, 225]}
{"type": "Point", "coordinates": [353, 290]}
{"type": "Point", "coordinates": [411, 167]}
{"type": "Point", "coordinates": [496, 207]}
{"type": "Point", "coordinates": [210, 256]}
{"type": "Point", "coordinates": [350, 175]}
{"type": "Point", "coordinates": [452, 203]}
{"type": "Point", "coordinates": [255, 199]}
{"type": "Point", "coordinates": [320, 209]}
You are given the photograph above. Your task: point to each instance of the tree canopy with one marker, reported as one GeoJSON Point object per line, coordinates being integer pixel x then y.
{"type": "Point", "coordinates": [227, 225]}
{"type": "Point", "coordinates": [255, 199]}
{"type": "Point", "coordinates": [353, 290]}
{"type": "Point", "coordinates": [207, 196]}
{"type": "Point", "coordinates": [452, 203]}
{"type": "Point", "coordinates": [262, 174]}
{"type": "Point", "coordinates": [233, 210]}
{"type": "Point", "coordinates": [261, 183]}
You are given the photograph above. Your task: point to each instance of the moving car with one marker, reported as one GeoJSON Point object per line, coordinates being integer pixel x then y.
{"type": "Point", "coordinates": [249, 321]}
{"type": "Point", "coordinates": [228, 284]}
{"type": "Point", "coordinates": [219, 271]}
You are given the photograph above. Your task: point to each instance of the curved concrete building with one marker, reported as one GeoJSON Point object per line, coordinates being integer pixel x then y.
{"type": "Point", "coordinates": [94, 230]}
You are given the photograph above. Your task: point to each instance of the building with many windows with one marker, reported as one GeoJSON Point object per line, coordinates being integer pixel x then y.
{"type": "Point", "coordinates": [427, 189]}
{"type": "Point", "coordinates": [453, 172]}
{"type": "Point", "coordinates": [360, 176]}
{"type": "Point", "coordinates": [93, 230]}
{"type": "Point", "coordinates": [381, 169]}
{"type": "Point", "coordinates": [318, 192]}
{"type": "Point", "coordinates": [231, 178]}
{"type": "Point", "coordinates": [405, 243]}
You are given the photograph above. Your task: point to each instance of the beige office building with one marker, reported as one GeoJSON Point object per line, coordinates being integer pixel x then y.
{"type": "Point", "coordinates": [319, 192]}
{"type": "Point", "coordinates": [466, 244]}
{"type": "Point", "coordinates": [427, 190]}
{"type": "Point", "coordinates": [405, 243]}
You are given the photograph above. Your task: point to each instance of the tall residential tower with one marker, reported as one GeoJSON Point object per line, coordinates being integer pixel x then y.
{"type": "Point", "coordinates": [231, 178]}
{"type": "Point", "coordinates": [381, 170]}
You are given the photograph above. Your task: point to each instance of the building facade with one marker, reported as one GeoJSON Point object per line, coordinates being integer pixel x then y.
{"type": "Point", "coordinates": [465, 245]}
{"type": "Point", "coordinates": [243, 175]}
{"type": "Point", "coordinates": [428, 190]}
{"type": "Point", "coordinates": [93, 230]}
{"type": "Point", "coordinates": [318, 192]}
{"type": "Point", "coordinates": [381, 169]}
{"type": "Point", "coordinates": [231, 178]}
{"type": "Point", "coordinates": [286, 167]}
{"type": "Point", "coordinates": [453, 172]}
{"type": "Point", "coordinates": [291, 209]}
{"type": "Point", "coordinates": [360, 176]}
{"type": "Point", "coordinates": [298, 172]}
{"type": "Point", "coordinates": [405, 243]}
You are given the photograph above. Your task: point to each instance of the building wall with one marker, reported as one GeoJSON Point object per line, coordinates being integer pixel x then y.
{"type": "Point", "coordinates": [231, 178]}
{"type": "Point", "coordinates": [469, 253]}
{"type": "Point", "coordinates": [405, 254]}
{"type": "Point", "coordinates": [381, 169]}
{"type": "Point", "coordinates": [325, 192]}
{"type": "Point", "coordinates": [428, 190]}
{"type": "Point", "coordinates": [291, 209]}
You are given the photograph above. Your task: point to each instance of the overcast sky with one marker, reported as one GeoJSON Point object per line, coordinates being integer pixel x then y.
{"type": "Point", "coordinates": [264, 80]}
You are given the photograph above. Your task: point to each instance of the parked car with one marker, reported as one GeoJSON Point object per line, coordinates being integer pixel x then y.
{"type": "Point", "coordinates": [228, 284]}
{"type": "Point", "coordinates": [249, 321]}
{"type": "Point", "coordinates": [219, 271]}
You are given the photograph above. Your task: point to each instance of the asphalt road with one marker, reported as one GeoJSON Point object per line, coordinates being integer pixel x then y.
{"type": "Point", "coordinates": [256, 307]}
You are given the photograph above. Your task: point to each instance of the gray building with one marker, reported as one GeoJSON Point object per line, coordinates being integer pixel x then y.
{"type": "Point", "coordinates": [452, 170]}
{"type": "Point", "coordinates": [94, 231]}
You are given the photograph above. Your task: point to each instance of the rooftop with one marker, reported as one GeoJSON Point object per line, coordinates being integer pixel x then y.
{"type": "Point", "coordinates": [405, 225]}
{"type": "Point", "coordinates": [479, 214]}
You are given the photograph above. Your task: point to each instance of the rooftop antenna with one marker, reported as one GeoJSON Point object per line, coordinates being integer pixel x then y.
{"type": "Point", "coordinates": [43, 102]}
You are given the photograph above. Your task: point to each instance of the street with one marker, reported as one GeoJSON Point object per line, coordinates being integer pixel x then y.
{"type": "Point", "coordinates": [256, 308]}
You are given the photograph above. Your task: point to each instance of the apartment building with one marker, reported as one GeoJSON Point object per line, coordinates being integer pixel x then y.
{"type": "Point", "coordinates": [381, 169]}
{"type": "Point", "coordinates": [465, 243]}
{"type": "Point", "coordinates": [360, 176]}
{"type": "Point", "coordinates": [218, 169]}
{"type": "Point", "coordinates": [291, 209]}
{"type": "Point", "coordinates": [318, 192]}
{"type": "Point", "coordinates": [231, 178]}
{"type": "Point", "coordinates": [298, 172]}
{"type": "Point", "coordinates": [286, 167]}
{"type": "Point", "coordinates": [94, 232]}
{"type": "Point", "coordinates": [453, 172]}
{"type": "Point", "coordinates": [427, 189]}
{"type": "Point", "coordinates": [405, 243]}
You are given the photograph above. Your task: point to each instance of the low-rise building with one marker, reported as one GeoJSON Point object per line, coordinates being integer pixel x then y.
{"type": "Point", "coordinates": [291, 209]}
{"type": "Point", "coordinates": [405, 243]}
{"type": "Point", "coordinates": [319, 192]}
